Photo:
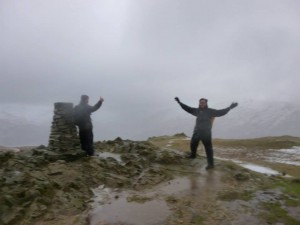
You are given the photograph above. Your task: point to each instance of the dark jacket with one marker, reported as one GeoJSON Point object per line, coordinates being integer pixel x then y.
{"type": "Point", "coordinates": [204, 116]}
{"type": "Point", "coordinates": [83, 112]}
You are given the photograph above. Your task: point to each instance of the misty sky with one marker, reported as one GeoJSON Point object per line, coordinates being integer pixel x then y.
{"type": "Point", "coordinates": [140, 54]}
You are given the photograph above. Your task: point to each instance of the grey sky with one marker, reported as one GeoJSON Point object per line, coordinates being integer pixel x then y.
{"type": "Point", "coordinates": [140, 54]}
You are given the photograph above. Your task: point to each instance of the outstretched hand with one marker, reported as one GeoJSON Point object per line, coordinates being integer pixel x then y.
{"type": "Point", "coordinates": [101, 99]}
{"type": "Point", "coordinates": [233, 105]}
{"type": "Point", "coordinates": [177, 99]}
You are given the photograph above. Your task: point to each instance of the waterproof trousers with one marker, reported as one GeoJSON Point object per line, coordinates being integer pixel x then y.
{"type": "Point", "coordinates": [205, 138]}
{"type": "Point", "coordinates": [86, 140]}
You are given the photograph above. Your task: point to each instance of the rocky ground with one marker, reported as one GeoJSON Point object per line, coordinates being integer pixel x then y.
{"type": "Point", "coordinates": [144, 183]}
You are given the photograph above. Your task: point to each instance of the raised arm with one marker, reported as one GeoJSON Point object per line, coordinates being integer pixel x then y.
{"type": "Point", "coordinates": [97, 105]}
{"type": "Point", "coordinates": [222, 112]}
{"type": "Point", "coordinates": [188, 109]}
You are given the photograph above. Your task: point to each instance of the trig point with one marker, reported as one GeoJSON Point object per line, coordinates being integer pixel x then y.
{"type": "Point", "coordinates": [63, 137]}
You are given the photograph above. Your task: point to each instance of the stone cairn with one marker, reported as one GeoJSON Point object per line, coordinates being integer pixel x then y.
{"type": "Point", "coordinates": [63, 137]}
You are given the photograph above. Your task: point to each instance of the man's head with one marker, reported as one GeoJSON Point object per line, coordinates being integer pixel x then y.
{"type": "Point", "coordinates": [203, 103]}
{"type": "Point", "coordinates": [84, 99]}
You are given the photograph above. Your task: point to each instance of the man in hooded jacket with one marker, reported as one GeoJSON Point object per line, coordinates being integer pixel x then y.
{"type": "Point", "coordinates": [82, 118]}
{"type": "Point", "coordinates": [202, 129]}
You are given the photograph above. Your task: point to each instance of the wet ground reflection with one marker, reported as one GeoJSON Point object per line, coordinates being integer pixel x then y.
{"type": "Point", "coordinates": [121, 211]}
{"type": "Point", "coordinates": [117, 207]}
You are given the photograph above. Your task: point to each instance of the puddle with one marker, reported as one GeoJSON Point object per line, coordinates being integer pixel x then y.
{"type": "Point", "coordinates": [106, 155]}
{"type": "Point", "coordinates": [117, 209]}
{"type": "Point", "coordinates": [191, 184]}
{"type": "Point", "coordinates": [253, 167]}
{"type": "Point", "coordinates": [259, 169]}
{"type": "Point", "coordinates": [120, 211]}
{"type": "Point", "coordinates": [177, 185]}
{"type": "Point", "coordinates": [286, 156]}
{"type": "Point", "coordinates": [295, 151]}
{"type": "Point", "coordinates": [111, 207]}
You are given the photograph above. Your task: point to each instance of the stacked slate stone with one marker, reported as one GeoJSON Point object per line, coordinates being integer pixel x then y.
{"type": "Point", "coordinates": [63, 137]}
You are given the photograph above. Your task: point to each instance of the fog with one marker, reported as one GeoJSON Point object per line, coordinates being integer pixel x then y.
{"type": "Point", "coordinates": [139, 55]}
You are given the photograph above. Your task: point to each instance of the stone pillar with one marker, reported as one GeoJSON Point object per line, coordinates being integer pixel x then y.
{"type": "Point", "coordinates": [63, 137]}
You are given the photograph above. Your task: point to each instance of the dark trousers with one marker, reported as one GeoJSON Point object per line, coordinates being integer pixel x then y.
{"type": "Point", "coordinates": [206, 141]}
{"type": "Point", "coordinates": [86, 140]}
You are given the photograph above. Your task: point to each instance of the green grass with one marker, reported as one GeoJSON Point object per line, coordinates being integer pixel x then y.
{"type": "Point", "coordinates": [234, 195]}
{"type": "Point", "coordinates": [276, 214]}
{"type": "Point", "coordinates": [292, 170]}
{"type": "Point", "coordinates": [197, 220]}
{"type": "Point", "coordinates": [290, 198]}
{"type": "Point", "coordinates": [292, 189]}
{"type": "Point", "coordinates": [279, 142]}
{"type": "Point", "coordinates": [178, 142]}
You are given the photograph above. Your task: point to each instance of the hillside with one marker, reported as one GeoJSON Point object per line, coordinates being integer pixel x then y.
{"type": "Point", "coordinates": [251, 119]}
{"type": "Point", "coordinates": [149, 182]}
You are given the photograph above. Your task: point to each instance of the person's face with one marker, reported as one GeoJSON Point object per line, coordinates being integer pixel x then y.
{"type": "Point", "coordinates": [202, 104]}
{"type": "Point", "coordinates": [86, 100]}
